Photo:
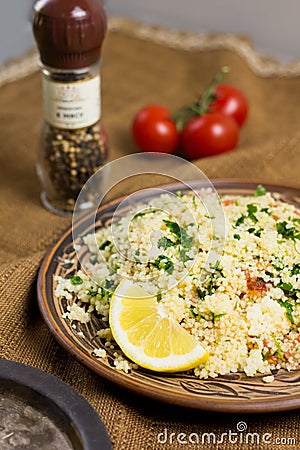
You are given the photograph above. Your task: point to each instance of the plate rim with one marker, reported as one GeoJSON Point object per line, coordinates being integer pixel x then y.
{"type": "Point", "coordinates": [119, 378]}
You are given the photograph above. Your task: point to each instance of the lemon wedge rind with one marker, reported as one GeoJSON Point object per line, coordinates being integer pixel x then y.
{"type": "Point", "coordinates": [148, 335]}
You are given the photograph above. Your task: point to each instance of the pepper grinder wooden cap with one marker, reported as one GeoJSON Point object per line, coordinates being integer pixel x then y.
{"type": "Point", "coordinates": [69, 33]}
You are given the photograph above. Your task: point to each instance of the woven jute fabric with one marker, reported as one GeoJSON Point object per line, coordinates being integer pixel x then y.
{"type": "Point", "coordinates": [137, 70]}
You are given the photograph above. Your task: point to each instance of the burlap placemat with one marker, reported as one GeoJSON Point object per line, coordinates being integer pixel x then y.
{"type": "Point", "coordinates": [138, 68]}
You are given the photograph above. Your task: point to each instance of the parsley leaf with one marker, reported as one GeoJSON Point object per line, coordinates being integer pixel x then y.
{"type": "Point", "coordinates": [143, 213]}
{"type": "Point", "coordinates": [279, 351]}
{"type": "Point", "coordinates": [288, 290]}
{"type": "Point", "coordinates": [136, 254]}
{"type": "Point", "coordinates": [192, 311]}
{"type": "Point", "coordinates": [251, 209]}
{"type": "Point", "coordinates": [296, 269]}
{"type": "Point", "coordinates": [76, 280]}
{"type": "Point", "coordinates": [92, 293]}
{"type": "Point", "coordinates": [213, 316]}
{"type": "Point", "coordinates": [266, 210]}
{"type": "Point", "coordinates": [287, 231]}
{"type": "Point", "coordinates": [183, 255]}
{"type": "Point", "coordinates": [104, 245]}
{"type": "Point", "coordinates": [287, 287]}
{"type": "Point", "coordinates": [163, 262]}
{"type": "Point", "coordinates": [165, 242]}
{"type": "Point", "coordinates": [288, 310]}
{"type": "Point", "coordinates": [201, 293]}
{"type": "Point", "coordinates": [173, 227]}
{"type": "Point", "coordinates": [106, 289]}
{"type": "Point", "coordinates": [260, 191]}
{"type": "Point", "coordinates": [183, 238]}
{"type": "Point", "coordinates": [270, 274]}
{"type": "Point", "coordinates": [159, 296]}
{"type": "Point", "coordinates": [240, 220]}
{"type": "Point", "coordinates": [217, 316]}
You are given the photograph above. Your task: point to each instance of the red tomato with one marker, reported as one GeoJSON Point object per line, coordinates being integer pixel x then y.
{"type": "Point", "coordinates": [231, 102]}
{"type": "Point", "coordinates": [209, 135]}
{"type": "Point", "coordinates": [154, 131]}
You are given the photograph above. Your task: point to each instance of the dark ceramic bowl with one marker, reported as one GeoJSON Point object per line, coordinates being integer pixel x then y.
{"type": "Point", "coordinates": [39, 411]}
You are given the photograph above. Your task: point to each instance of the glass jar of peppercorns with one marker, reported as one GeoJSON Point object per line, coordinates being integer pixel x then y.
{"type": "Point", "coordinates": [73, 144]}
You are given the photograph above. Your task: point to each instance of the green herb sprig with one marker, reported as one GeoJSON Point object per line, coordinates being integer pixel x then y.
{"type": "Point", "coordinates": [163, 262]}
{"type": "Point", "coordinates": [75, 280]}
{"type": "Point", "coordinates": [260, 191]}
{"type": "Point", "coordinates": [287, 231]}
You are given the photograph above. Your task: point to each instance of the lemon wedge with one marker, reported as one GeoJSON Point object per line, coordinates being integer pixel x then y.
{"type": "Point", "coordinates": [148, 335]}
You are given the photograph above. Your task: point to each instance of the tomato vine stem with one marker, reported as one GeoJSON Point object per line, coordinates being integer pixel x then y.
{"type": "Point", "coordinates": [201, 105]}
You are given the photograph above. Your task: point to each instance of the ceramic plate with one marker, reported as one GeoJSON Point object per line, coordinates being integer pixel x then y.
{"type": "Point", "coordinates": [229, 393]}
{"type": "Point", "coordinates": [38, 411]}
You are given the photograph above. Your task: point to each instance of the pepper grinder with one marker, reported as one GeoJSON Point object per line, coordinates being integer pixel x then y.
{"type": "Point", "coordinates": [73, 144]}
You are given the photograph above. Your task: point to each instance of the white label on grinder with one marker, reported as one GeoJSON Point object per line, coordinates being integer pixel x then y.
{"type": "Point", "coordinates": [72, 105]}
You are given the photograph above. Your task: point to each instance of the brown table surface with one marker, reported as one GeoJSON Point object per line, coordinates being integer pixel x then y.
{"type": "Point", "coordinates": [140, 66]}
